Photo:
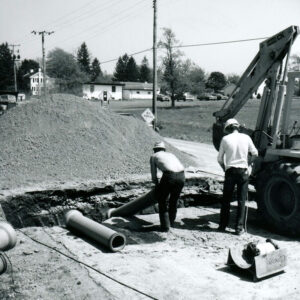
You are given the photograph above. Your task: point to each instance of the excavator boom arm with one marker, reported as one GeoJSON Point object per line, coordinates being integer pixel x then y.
{"type": "Point", "coordinates": [271, 51]}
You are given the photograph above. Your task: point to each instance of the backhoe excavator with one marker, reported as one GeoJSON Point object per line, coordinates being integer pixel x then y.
{"type": "Point", "coordinates": [276, 172]}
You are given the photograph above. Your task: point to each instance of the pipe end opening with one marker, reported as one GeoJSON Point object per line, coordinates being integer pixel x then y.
{"type": "Point", "coordinates": [117, 242]}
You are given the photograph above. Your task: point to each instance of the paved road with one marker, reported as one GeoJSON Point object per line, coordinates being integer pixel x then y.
{"type": "Point", "coordinates": [204, 154]}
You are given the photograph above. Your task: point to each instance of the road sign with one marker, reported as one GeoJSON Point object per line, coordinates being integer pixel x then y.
{"type": "Point", "coordinates": [148, 116]}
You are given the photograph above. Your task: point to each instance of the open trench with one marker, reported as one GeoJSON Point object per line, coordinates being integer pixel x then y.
{"type": "Point", "coordinates": [48, 207]}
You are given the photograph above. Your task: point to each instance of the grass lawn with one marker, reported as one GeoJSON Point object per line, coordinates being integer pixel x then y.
{"type": "Point", "coordinates": [193, 120]}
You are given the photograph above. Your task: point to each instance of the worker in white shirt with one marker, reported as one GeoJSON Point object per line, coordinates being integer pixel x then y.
{"type": "Point", "coordinates": [234, 157]}
{"type": "Point", "coordinates": [170, 184]}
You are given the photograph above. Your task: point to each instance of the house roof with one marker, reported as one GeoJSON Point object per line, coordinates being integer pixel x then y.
{"type": "Point", "coordinates": [105, 83]}
{"type": "Point", "coordinates": [138, 86]}
{"type": "Point", "coordinates": [39, 73]}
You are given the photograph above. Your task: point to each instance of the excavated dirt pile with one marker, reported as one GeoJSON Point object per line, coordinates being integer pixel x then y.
{"type": "Point", "coordinates": [67, 139]}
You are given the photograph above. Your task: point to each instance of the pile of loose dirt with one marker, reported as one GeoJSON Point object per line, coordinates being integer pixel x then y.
{"type": "Point", "coordinates": [67, 139]}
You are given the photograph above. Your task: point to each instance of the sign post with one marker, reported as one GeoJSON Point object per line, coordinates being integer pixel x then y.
{"type": "Point", "coordinates": [148, 117]}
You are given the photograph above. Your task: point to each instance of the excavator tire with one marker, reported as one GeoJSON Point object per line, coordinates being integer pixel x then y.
{"type": "Point", "coordinates": [278, 197]}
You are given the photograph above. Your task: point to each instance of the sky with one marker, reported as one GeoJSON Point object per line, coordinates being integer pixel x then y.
{"type": "Point", "coordinates": [111, 28]}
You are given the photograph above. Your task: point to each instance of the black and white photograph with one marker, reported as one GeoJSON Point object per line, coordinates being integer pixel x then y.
{"type": "Point", "coordinates": [150, 149]}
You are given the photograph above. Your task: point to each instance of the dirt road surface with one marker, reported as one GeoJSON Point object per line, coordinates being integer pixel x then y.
{"type": "Point", "coordinates": [187, 263]}
{"type": "Point", "coordinates": [204, 154]}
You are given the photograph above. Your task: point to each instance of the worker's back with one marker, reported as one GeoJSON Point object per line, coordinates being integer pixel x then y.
{"type": "Point", "coordinates": [166, 161]}
{"type": "Point", "coordinates": [236, 147]}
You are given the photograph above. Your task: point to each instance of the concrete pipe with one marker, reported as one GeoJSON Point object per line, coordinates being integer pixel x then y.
{"type": "Point", "coordinates": [3, 264]}
{"type": "Point", "coordinates": [8, 236]}
{"type": "Point", "coordinates": [99, 233]}
{"type": "Point", "coordinates": [134, 206]}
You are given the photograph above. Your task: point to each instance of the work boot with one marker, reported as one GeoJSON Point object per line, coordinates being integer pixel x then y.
{"type": "Point", "coordinates": [221, 228]}
{"type": "Point", "coordinates": [164, 221]}
{"type": "Point", "coordinates": [240, 231]}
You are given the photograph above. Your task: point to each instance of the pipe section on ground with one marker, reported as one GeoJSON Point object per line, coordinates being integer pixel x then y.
{"type": "Point", "coordinates": [134, 206]}
{"type": "Point", "coordinates": [8, 236]}
{"type": "Point", "coordinates": [98, 232]}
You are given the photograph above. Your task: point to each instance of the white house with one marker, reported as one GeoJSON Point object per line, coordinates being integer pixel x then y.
{"type": "Point", "coordinates": [137, 90]}
{"type": "Point", "coordinates": [37, 82]}
{"type": "Point", "coordinates": [102, 90]}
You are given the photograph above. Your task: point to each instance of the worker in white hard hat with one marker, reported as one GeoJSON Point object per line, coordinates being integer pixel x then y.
{"type": "Point", "coordinates": [233, 157]}
{"type": "Point", "coordinates": [170, 184]}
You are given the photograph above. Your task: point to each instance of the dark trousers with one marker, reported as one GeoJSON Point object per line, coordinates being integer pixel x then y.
{"type": "Point", "coordinates": [171, 184]}
{"type": "Point", "coordinates": [234, 177]}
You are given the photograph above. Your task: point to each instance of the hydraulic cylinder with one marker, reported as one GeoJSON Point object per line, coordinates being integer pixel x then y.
{"type": "Point", "coordinates": [97, 232]}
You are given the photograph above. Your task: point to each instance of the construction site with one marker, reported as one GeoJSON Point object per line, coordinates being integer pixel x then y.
{"type": "Point", "coordinates": [104, 196]}
{"type": "Point", "coordinates": [64, 157]}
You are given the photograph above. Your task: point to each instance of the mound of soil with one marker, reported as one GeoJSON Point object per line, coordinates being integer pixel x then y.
{"type": "Point", "coordinates": [68, 139]}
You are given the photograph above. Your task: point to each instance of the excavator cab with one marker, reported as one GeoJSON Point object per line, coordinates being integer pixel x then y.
{"type": "Point", "coordinates": [276, 134]}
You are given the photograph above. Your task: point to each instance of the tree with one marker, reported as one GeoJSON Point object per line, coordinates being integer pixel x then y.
{"type": "Point", "coordinates": [192, 78]}
{"type": "Point", "coordinates": [120, 69]}
{"type": "Point", "coordinates": [145, 72]}
{"type": "Point", "coordinates": [83, 58]}
{"type": "Point", "coordinates": [26, 66]}
{"type": "Point", "coordinates": [233, 78]}
{"type": "Point", "coordinates": [216, 81]}
{"type": "Point", "coordinates": [132, 71]}
{"type": "Point", "coordinates": [171, 62]}
{"type": "Point", "coordinates": [294, 65]}
{"type": "Point", "coordinates": [63, 67]}
{"type": "Point", "coordinates": [95, 69]}
{"type": "Point", "coordinates": [6, 68]}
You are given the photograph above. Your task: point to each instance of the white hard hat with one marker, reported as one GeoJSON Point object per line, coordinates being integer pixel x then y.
{"type": "Point", "coordinates": [231, 122]}
{"type": "Point", "coordinates": [159, 145]}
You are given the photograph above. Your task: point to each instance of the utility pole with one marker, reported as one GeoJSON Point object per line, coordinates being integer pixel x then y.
{"type": "Point", "coordinates": [42, 33]}
{"type": "Point", "coordinates": [16, 57]}
{"type": "Point", "coordinates": [154, 66]}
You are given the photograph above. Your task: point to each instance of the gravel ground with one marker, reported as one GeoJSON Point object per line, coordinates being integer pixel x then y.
{"type": "Point", "coordinates": [68, 139]}
{"type": "Point", "coordinates": [187, 263]}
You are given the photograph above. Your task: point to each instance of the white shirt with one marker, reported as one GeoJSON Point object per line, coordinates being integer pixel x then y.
{"type": "Point", "coordinates": [234, 150]}
{"type": "Point", "coordinates": [165, 161]}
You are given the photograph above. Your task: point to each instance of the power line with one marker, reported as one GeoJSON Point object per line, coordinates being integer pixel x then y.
{"type": "Point", "coordinates": [135, 53]}
{"type": "Point", "coordinates": [87, 14]}
{"type": "Point", "coordinates": [219, 43]}
{"type": "Point", "coordinates": [61, 25]}
{"type": "Point", "coordinates": [52, 23]}
{"type": "Point", "coordinates": [114, 19]}
{"type": "Point", "coordinates": [191, 45]}
{"type": "Point", "coordinates": [119, 20]}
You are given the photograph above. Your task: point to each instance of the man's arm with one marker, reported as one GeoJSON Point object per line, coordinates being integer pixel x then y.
{"type": "Point", "coordinates": [221, 156]}
{"type": "Point", "coordinates": [153, 170]}
{"type": "Point", "coordinates": [253, 151]}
